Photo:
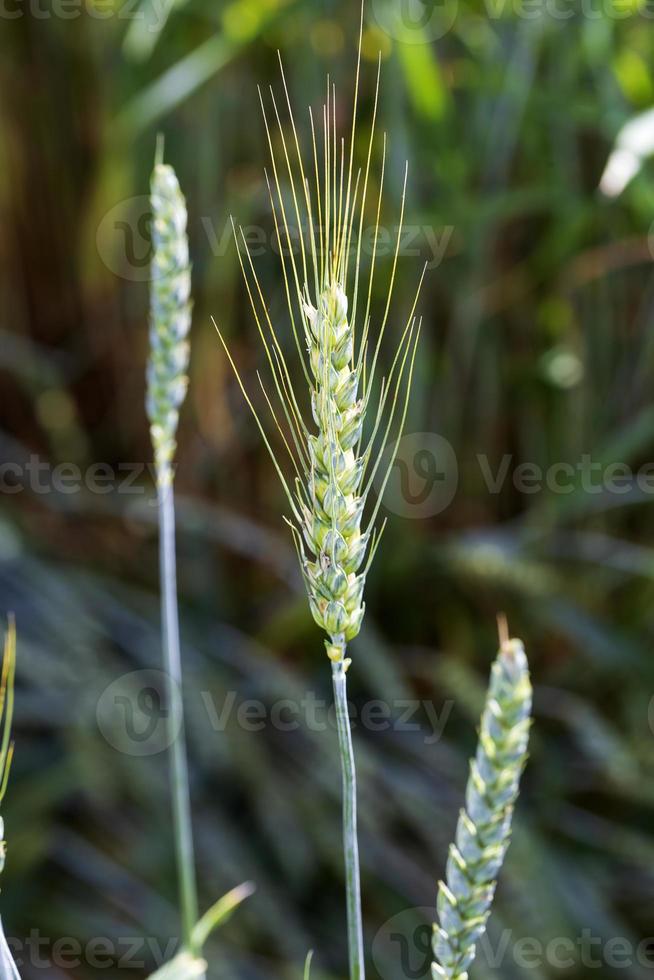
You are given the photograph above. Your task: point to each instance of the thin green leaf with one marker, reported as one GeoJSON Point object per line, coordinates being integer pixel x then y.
{"type": "Point", "coordinates": [220, 912]}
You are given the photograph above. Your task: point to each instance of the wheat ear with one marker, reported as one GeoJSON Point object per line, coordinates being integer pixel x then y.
{"type": "Point", "coordinates": [334, 457]}
{"type": "Point", "coordinates": [8, 970]}
{"type": "Point", "coordinates": [484, 827]}
{"type": "Point", "coordinates": [170, 316]}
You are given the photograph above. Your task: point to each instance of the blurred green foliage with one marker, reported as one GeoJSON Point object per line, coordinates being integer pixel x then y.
{"type": "Point", "coordinates": [537, 344]}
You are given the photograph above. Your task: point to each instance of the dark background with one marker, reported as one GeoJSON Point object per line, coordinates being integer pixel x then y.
{"type": "Point", "coordinates": [537, 346]}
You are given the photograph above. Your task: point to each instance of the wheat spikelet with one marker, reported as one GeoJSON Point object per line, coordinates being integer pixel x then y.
{"type": "Point", "coordinates": [484, 827]}
{"type": "Point", "coordinates": [333, 462]}
{"type": "Point", "coordinates": [170, 316]}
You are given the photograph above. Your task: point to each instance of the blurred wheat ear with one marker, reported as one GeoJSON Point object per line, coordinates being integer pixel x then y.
{"type": "Point", "coordinates": [170, 321]}
{"type": "Point", "coordinates": [333, 461]}
{"type": "Point", "coordinates": [484, 828]}
{"type": "Point", "coordinates": [8, 969]}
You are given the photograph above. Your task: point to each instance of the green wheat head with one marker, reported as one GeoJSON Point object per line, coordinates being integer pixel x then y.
{"type": "Point", "coordinates": [484, 828]}
{"type": "Point", "coordinates": [334, 459]}
{"type": "Point", "coordinates": [8, 969]}
{"type": "Point", "coordinates": [170, 316]}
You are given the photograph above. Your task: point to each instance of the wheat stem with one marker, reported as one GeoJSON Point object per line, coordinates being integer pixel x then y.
{"type": "Point", "coordinates": [179, 779]}
{"type": "Point", "coordinates": [350, 843]}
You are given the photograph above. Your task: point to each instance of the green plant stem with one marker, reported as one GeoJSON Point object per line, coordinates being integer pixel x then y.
{"type": "Point", "coordinates": [179, 779]}
{"type": "Point", "coordinates": [350, 843]}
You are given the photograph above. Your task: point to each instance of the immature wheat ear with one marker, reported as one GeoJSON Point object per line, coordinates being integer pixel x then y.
{"type": "Point", "coordinates": [484, 828]}
{"type": "Point", "coordinates": [170, 317]}
{"type": "Point", "coordinates": [336, 424]}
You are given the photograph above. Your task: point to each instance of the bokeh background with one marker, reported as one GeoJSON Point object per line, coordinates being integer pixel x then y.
{"type": "Point", "coordinates": [537, 348]}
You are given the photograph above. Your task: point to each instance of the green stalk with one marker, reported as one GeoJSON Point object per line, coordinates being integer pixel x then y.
{"type": "Point", "coordinates": [179, 779]}
{"type": "Point", "coordinates": [350, 842]}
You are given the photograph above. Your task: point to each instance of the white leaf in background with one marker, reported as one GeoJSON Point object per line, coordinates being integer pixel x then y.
{"type": "Point", "coordinates": [633, 144]}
